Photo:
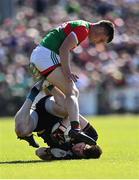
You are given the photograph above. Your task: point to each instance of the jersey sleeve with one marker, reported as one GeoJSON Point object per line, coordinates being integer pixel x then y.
{"type": "Point", "coordinates": [81, 33]}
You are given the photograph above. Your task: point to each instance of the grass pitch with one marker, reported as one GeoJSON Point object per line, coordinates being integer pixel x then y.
{"type": "Point", "coordinates": [118, 137]}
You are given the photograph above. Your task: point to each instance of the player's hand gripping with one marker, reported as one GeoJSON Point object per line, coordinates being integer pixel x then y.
{"type": "Point", "coordinates": [72, 77]}
{"type": "Point", "coordinates": [58, 135]}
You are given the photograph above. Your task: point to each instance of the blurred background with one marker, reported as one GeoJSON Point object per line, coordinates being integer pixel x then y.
{"type": "Point", "coordinates": [109, 75]}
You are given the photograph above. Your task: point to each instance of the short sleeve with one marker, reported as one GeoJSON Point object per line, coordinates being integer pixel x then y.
{"type": "Point", "coordinates": [81, 33]}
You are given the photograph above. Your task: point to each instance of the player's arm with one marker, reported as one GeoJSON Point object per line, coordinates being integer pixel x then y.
{"type": "Point", "coordinates": [69, 43]}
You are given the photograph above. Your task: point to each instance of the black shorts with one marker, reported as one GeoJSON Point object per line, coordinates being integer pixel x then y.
{"type": "Point", "coordinates": [45, 120]}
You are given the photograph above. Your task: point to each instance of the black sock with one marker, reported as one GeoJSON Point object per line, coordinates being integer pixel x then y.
{"type": "Point", "coordinates": [33, 93]}
{"type": "Point", "coordinates": [90, 131]}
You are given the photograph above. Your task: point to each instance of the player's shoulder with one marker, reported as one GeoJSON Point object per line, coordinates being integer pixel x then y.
{"type": "Point", "coordinates": [81, 23]}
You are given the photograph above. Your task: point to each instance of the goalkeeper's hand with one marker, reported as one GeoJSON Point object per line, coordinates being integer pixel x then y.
{"type": "Point", "coordinates": [58, 135]}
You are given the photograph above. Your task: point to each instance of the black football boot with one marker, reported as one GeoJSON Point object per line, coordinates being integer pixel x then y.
{"type": "Point", "coordinates": [30, 139]}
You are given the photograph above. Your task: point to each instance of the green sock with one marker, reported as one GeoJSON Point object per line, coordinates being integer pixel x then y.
{"type": "Point", "coordinates": [50, 87]}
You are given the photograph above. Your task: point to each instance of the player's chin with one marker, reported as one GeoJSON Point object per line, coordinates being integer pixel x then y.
{"type": "Point", "coordinates": [44, 153]}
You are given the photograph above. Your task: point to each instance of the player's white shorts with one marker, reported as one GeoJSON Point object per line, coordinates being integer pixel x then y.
{"type": "Point", "coordinates": [44, 59]}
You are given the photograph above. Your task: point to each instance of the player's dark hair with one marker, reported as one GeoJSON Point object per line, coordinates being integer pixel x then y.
{"type": "Point", "coordinates": [109, 29]}
{"type": "Point", "coordinates": [93, 152]}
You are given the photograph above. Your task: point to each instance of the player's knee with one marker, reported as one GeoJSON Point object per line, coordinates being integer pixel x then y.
{"type": "Point", "coordinates": [21, 130]}
{"type": "Point", "coordinates": [22, 126]}
{"type": "Point", "coordinates": [73, 92]}
{"type": "Point", "coordinates": [76, 92]}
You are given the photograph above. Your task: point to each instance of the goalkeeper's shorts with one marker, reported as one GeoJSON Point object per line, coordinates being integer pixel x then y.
{"type": "Point", "coordinates": [44, 59]}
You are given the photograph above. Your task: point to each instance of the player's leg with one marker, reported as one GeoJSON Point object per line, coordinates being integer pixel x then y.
{"type": "Point", "coordinates": [55, 109]}
{"type": "Point", "coordinates": [59, 97]}
{"type": "Point", "coordinates": [55, 106]}
{"type": "Point", "coordinates": [88, 128]}
{"type": "Point", "coordinates": [59, 110]}
{"type": "Point", "coordinates": [69, 97]}
{"type": "Point", "coordinates": [48, 63]}
{"type": "Point", "coordinates": [24, 122]}
{"type": "Point", "coordinates": [57, 78]}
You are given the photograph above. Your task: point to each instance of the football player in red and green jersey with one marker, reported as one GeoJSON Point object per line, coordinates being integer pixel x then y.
{"type": "Point", "coordinates": [52, 58]}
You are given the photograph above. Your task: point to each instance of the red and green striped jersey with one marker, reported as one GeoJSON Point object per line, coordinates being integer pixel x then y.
{"type": "Point", "coordinates": [54, 38]}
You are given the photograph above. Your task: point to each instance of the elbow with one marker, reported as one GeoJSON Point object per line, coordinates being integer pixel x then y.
{"type": "Point", "coordinates": [63, 50]}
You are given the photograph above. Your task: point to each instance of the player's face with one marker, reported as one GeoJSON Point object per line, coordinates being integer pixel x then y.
{"type": "Point", "coordinates": [79, 149]}
{"type": "Point", "coordinates": [100, 38]}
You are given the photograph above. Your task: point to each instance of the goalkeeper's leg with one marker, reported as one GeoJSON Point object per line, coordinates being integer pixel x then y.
{"type": "Point", "coordinates": [24, 123]}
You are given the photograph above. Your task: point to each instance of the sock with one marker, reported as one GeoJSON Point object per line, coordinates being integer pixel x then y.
{"type": "Point", "coordinates": [90, 131]}
{"type": "Point", "coordinates": [35, 90]}
{"type": "Point", "coordinates": [75, 125]}
{"type": "Point", "coordinates": [50, 87]}
{"type": "Point", "coordinates": [33, 93]}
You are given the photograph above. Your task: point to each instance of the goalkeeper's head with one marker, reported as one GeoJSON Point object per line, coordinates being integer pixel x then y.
{"type": "Point", "coordinates": [86, 151]}
{"type": "Point", "coordinates": [93, 151]}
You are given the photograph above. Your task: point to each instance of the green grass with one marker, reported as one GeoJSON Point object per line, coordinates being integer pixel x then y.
{"type": "Point", "coordinates": [118, 137]}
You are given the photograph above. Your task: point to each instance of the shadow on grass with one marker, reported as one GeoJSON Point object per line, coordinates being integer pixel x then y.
{"type": "Point", "coordinates": [34, 161]}
{"type": "Point", "coordinates": [23, 162]}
